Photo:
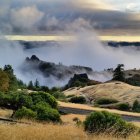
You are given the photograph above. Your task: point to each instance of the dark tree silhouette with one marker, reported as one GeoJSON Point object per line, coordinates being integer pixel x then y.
{"type": "Point", "coordinates": [119, 73]}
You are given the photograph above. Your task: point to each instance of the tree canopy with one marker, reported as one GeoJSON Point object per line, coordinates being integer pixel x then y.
{"type": "Point", "coordinates": [119, 73]}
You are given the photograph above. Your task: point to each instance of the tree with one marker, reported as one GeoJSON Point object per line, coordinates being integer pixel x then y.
{"type": "Point", "coordinates": [136, 106]}
{"type": "Point", "coordinates": [30, 85]}
{"type": "Point", "coordinates": [119, 73]}
{"type": "Point", "coordinates": [13, 84]}
{"type": "Point", "coordinates": [36, 84]}
{"type": "Point", "coordinates": [4, 81]}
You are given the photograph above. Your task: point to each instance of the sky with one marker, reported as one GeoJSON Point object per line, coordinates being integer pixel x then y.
{"type": "Point", "coordinates": [106, 17]}
{"type": "Point", "coordinates": [88, 20]}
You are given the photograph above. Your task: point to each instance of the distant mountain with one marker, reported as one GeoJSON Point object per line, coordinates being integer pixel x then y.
{"type": "Point", "coordinates": [55, 74]}
{"type": "Point", "coordinates": [47, 69]}
{"type": "Point", "coordinates": [124, 44]}
{"type": "Point", "coordinates": [80, 80]}
{"type": "Point", "coordinates": [36, 44]}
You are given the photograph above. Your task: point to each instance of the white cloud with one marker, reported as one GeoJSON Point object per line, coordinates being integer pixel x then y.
{"type": "Point", "coordinates": [26, 17]}
{"type": "Point", "coordinates": [133, 7]}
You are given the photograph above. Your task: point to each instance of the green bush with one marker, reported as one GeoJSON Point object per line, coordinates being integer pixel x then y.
{"type": "Point", "coordinates": [41, 106]}
{"type": "Point", "coordinates": [136, 106]}
{"type": "Point", "coordinates": [46, 113]}
{"type": "Point", "coordinates": [105, 122]}
{"type": "Point", "coordinates": [78, 99]}
{"type": "Point", "coordinates": [25, 113]}
{"type": "Point", "coordinates": [15, 100]}
{"type": "Point", "coordinates": [104, 101]}
{"type": "Point", "coordinates": [59, 95]}
{"type": "Point", "coordinates": [123, 106]}
{"type": "Point", "coordinates": [44, 97]}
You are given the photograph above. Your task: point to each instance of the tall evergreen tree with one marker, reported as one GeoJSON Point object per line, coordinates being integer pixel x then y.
{"type": "Point", "coordinates": [119, 73]}
{"type": "Point", "coordinates": [30, 85]}
{"type": "Point", "coordinates": [36, 84]}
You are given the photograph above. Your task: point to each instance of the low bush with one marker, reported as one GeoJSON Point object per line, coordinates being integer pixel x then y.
{"type": "Point", "coordinates": [78, 99]}
{"type": "Point", "coordinates": [105, 122]}
{"type": "Point", "coordinates": [59, 95]}
{"type": "Point", "coordinates": [105, 101]}
{"type": "Point", "coordinates": [15, 100]}
{"type": "Point", "coordinates": [25, 113]}
{"type": "Point", "coordinates": [46, 113]}
{"type": "Point", "coordinates": [123, 107]}
{"type": "Point", "coordinates": [136, 106]}
{"type": "Point", "coordinates": [41, 106]}
{"type": "Point", "coordinates": [44, 97]}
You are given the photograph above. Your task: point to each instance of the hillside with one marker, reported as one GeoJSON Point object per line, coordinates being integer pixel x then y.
{"type": "Point", "coordinates": [49, 69]}
{"type": "Point", "coordinates": [52, 74]}
{"type": "Point", "coordinates": [116, 90]}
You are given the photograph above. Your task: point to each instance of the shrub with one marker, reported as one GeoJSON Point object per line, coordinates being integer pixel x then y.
{"type": "Point", "coordinates": [104, 101]}
{"type": "Point", "coordinates": [78, 99]}
{"type": "Point", "coordinates": [104, 122]}
{"type": "Point", "coordinates": [44, 97]}
{"type": "Point", "coordinates": [77, 121]}
{"type": "Point", "coordinates": [15, 100]}
{"type": "Point", "coordinates": [40, 106]}
{"type": "Point", "coordinates": [59, 95]}
{"type": "Point", "coordinates": [123, 106]}
{"type": "Point", "coordinates": [136, 106]}
{"type": "Point", "coordinates": [46, 113]}
{"type": "Point", "coordinates": [25, 113]}
{"type": "Point", "coordinates": [24, 100]}
{"type": "Point", "coordinates": [49, 114]}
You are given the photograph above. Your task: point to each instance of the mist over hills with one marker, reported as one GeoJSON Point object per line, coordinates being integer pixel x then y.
{"type": "Point", "coordinates": [115, 44]}
{"type": "Point", "coordinates": [52, 74]}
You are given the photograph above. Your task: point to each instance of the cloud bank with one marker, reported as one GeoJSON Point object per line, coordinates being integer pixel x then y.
{"type": "Point", "coordinates": [33, 16]}
{"type": "Point", "coordinates": [70, 18]}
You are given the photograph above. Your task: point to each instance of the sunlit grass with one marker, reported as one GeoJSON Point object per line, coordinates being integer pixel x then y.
{"type": "Point", "coordinates": [49, 132]}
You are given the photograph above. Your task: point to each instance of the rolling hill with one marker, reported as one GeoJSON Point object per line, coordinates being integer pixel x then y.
{"type": "Point", "coordinates": [112, 90]}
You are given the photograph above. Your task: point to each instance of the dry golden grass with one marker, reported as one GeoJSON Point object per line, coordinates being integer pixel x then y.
{"type": "Point", "coordinates": [48, 132]}
{"type": "Point", "coordinates": [5, 113]}
{"type": "Point", "coordinates": [116, 90]}
{"type": "Point", "coordinates": [68, 119]}
{"type": "Point", "coordinates": [136, 124]}
{"type": "Point", "coordinates": [86, 107]}
{"type": "Point", "coordinates": [38, 131]}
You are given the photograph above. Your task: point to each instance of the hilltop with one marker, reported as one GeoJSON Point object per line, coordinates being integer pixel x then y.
{"type": "Point", "coordinates": [120, 91]}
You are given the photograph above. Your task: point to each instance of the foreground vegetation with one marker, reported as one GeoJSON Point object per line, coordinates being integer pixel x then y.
{"type": "Point", "coordinates": [41, 106]}
{"type": "Point", "coordinates": [50, 132]}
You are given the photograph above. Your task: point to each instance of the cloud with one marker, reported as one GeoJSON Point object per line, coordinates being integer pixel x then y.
{"type": "Point", "coordinates": [26, 17]}
{"type": "Point", "coordinates": [37, 16]}
{"type": "Point", "coordinates": [133, 7]}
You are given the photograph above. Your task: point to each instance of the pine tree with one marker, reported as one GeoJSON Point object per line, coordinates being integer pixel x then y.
{"type": "Point", "coordinates": [30, 85]}
{"type": "Point", "coordinates": [136, 106]}
{"type": "Point", "coordinates": [119, 73]}
{"type": "Point", "coordinates": [36, 84]}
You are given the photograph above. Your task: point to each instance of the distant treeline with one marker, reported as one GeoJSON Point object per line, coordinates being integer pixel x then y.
{"type": "Point", "coordinates": [123, 44]}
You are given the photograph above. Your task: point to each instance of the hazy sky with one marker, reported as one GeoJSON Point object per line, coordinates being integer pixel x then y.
{"type": "Point", "coordinates": [125, 5]}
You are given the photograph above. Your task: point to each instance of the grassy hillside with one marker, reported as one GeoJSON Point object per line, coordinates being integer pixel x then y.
{"type": "Point", "coordinates": [115, 90]}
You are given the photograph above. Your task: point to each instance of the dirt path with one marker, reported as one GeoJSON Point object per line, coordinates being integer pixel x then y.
{"type": "Point", "coordinates": [85, 110]}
